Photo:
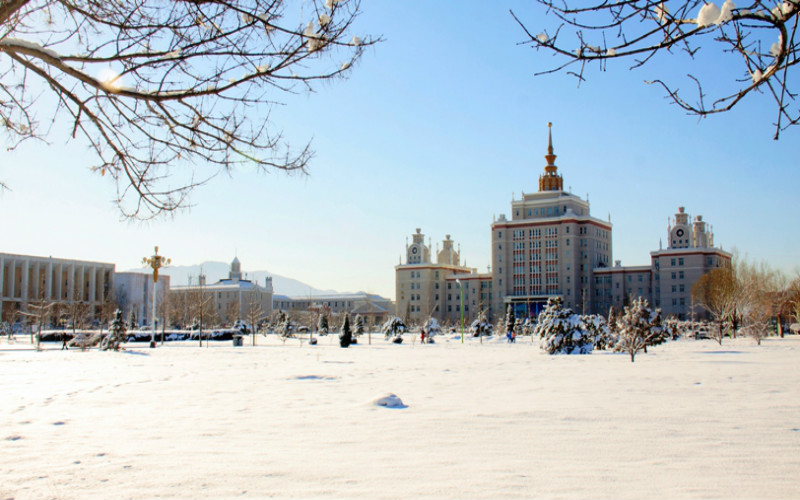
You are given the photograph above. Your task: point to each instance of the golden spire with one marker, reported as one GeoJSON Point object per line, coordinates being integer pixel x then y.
{"type": "Point", "coordinates": [550, 157]}
{"type": "Point", "coordinates": [550, 180]}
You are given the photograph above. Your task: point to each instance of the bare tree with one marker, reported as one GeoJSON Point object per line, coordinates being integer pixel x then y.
{"type": "Point", "coordinates": [255, 313]}
{"type": "Point", "coordinates": [761, 35]}
{"type": "Point", "coordinates": [716, 292]}
{"type": "Point", "coordinates": [157, 88]}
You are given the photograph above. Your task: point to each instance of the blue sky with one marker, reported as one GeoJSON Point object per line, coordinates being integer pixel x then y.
{"type": "Point", "coordinates": [436, 128]}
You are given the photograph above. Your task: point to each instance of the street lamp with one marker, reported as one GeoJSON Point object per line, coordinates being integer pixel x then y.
{"type": "Point", "coordinates": [156, 262]}
{"type": "Point", "coordinates": [461, 291]}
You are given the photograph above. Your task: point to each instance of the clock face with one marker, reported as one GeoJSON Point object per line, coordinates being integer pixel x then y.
{"type": "Point", "coordinates": [414, 250]}
{"type": "Point", "coordinates": [679, 232]}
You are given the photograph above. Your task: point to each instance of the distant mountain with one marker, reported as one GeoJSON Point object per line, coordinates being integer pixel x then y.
{"type": "Point", "coordinates": [215, 271]}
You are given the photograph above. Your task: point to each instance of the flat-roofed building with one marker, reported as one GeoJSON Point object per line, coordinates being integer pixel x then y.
{"type": "Point", "coordinates": [28, 278]}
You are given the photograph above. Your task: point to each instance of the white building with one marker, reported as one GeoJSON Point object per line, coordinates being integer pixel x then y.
{"type": "Point", "coordinates": [27, 278]}
{"type": "Point", "coordinates": [134, 292]}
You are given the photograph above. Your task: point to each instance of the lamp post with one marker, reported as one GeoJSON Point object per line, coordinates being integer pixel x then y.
{"type": "Point", "coordinates": [461, 292]}
{"type": "Point", "coordinates": [156, 262]}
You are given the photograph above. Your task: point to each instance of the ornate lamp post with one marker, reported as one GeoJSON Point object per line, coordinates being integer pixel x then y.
{"type": "Point", "coordinates": [156, 262]}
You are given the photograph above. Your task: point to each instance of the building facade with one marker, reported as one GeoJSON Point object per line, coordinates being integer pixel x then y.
{"type": "Point", "coordinates": [421, 286]}
{"type": "Point", "coordinates": [548, 248]}
{"type": "Point", "coordinates": [667, 282]}
{"type": "Point", "coordinates": [227, 300]}
{"type": "Point", "coordinates": [134, 294]}
{"type": "Point", "coordinates": [373, 308]}
{"type": "Point", "coordinates": [26, 278]}
{"type": "Point", "coordinates": [552, 246]}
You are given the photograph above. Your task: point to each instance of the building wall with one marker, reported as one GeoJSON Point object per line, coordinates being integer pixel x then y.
{"type": "Point", "coordinates": [134, 292]}
{"type": "Point", "coordinates": [27, 278]}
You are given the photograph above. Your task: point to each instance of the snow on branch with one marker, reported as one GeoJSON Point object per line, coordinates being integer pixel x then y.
{"type": "Point", "coordinates": [762, 34]}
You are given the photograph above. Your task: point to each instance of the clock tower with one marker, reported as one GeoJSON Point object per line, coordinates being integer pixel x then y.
{"type": "Point", "coordinates": [418, 252]}
{"type": "Point", "coordinates": [680, 234]}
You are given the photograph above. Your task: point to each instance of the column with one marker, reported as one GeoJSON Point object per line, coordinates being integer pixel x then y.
{"type": "Point", "coordinates": [2, 283]}
{"type": "Point", "coordinates": [71, 283]}
{"type": "Point", "coordinates": [48, 281]}
{"type": "Point", "coordinates": [24, 288]}
{"type": "Point", "coordinates": [59, 283]}
{"type": "Point", "coordinates": [12, 278]}
{"type": "Point", "coordinates": [36, 271]}
{"type": "Point", "coordinates": [93, 284]}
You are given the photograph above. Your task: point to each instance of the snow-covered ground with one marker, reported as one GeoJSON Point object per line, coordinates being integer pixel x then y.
{"type": "Point", "coordinates": [691, 419]}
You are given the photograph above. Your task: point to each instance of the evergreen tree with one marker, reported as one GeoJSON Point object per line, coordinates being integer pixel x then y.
{"type": "Point", "coordinates": [345, 336]}
{"type": "Point", "coordinates": [287, 327]}
{"type": "Point", "coordinates": [132, 324]}
{"type": "Point", "coordinates": [322, 324]}
{"type": "Point", "coordinates": [511, 320]}
{"type": "Point", "coordinates": [116, 333]}
{"type": "Point", "coordinates": [639, 326]}
{"type": "Point", "coordinates": [393, 327]}
{"type": "Point", "coordinates": [561, 331]}
{"type": "Point", "coordinates": [432, 329]}
{"type": "Point", "coordinates": [598, 330]}
{"type": "Point", "coordinates": [359, 328]}
{"type": "Point", "coordinates": [481, 326]}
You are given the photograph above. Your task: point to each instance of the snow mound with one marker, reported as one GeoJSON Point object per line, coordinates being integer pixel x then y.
{"type": "Point", "coordinates": [389, 401]}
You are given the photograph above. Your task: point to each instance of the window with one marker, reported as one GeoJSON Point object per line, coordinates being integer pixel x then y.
{"type": "Point", "coordinates": [672, 262]}
{"type": "Point", "coordinates": [680, 261]}
{"type": "Point", "coordinates": [680, 275]}
{"type": "Point", "coordinates": [673, 275]}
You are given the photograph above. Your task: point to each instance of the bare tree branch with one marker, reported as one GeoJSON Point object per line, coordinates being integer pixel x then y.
{"type": "Point", "coordinates": [169, 94]}
{"type": "Point", "coordinates": [762, 34]}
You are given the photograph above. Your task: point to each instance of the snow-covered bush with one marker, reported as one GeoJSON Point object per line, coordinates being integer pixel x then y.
{"type": "Point", "coordinates": [432, 329]}
{"type": "Point", "coordinates": [393, 327]}
{"type": "Point", "coordinates": [639, 327]}
{"type": "Point", "coordinates": [116, 333]}
{"type": "Point", "coordinates": [481, 327]}
{"type": "Point", "coordinates": [561, 331]}
{"type": "Point", "coordinates": [599, 331]}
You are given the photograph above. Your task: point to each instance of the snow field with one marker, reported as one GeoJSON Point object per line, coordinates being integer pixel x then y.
{"type": "Point", "coordinates": [690, 419]}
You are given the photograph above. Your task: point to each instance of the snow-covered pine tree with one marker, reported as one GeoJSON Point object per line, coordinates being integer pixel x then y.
{"type": "Point", "coordinates": [132, 323]}
{"type": "Point", "coordinates": [481, 327]}
{"type": "Point", "coordinates": [393, 327]}
{"type": "Point", "coordinates": [116, 333]}
{"type": "Point", "coordinates": [510, 321]}
{"type": "Point", "coordinates": [359, 328]}
{"type": "Point", "coordinates": [345, 335]}
{"type": "Point", "coordinates": [432, 329]}
{"type": "Point", "coordinates": [322, 324]}
{"type": "Point", "coordinates": [599, 331]}
{"type": "Point", "coordinates": [561, 331]}
{"type": "Point", "coordinates": [287, 327]}
{"type": "Point", "coordinates": [639, 326]}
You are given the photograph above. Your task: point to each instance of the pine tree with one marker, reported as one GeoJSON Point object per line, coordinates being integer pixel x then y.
{"type": "Point", "coordinates": [322, 324]}
{"type": "Point", "coordinates": [510, 320]}
{"type": "Point", "coordinates": [116, 333]}
{"type": "Point", "coordinates": [359, 328]}
{"type": "Point", "coordinates": [639, 327]}
{"type": "Point", "coordinates": [394, 327]}
{"type": "Point", "coordinates": [432, 329]}
{"type": "Point", "coordinates": [345, 336]}
{"type": "Point", "coordinates": [598, 330]}
{"type": "Point", "coordinates": [561, 331]}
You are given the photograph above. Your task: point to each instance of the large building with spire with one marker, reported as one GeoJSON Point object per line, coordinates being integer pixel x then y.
{"type": "Point", "coordinates": [549, 246]}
